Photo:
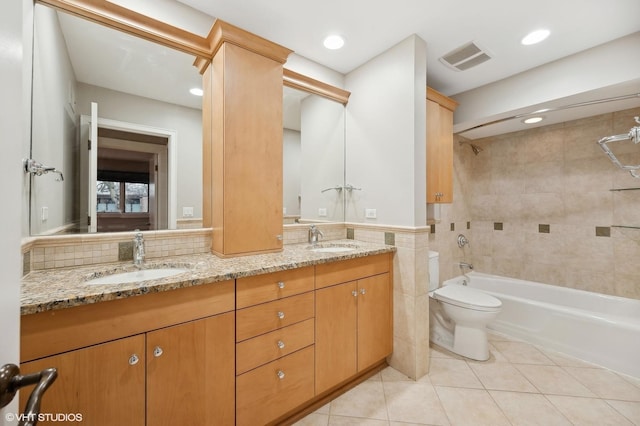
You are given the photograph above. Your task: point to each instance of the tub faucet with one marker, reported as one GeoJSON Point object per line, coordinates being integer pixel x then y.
{"type": "Point", "coordinates": [314, 235]}
{"type": "Point", "coordinates": [138, 248]}
{"type": "Point", "coordinates": [463, 265]}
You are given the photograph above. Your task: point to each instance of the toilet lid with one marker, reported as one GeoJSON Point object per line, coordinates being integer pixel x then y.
{"type": "Point", "coordinates": [466, 297]}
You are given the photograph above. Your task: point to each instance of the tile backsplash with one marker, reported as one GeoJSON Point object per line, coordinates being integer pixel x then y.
{"type": "Point", "coordinates": [550, 191]}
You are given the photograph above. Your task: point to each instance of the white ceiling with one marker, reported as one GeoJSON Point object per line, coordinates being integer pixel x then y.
{"type": "Point", "coordinates": [107, 58]}
{"type": "Point", "coordinates": [372, 26]}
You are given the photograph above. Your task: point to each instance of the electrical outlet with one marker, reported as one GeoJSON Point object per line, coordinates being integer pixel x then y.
{"type": "Point", "coordinates": [370, 213]}
{"type": "Point", "coordinates": [322, 212]}
{"type": "Point", "coordinates": [187, 212]}
{"type": "Point", "coordinates": [284, 210]}
{"type": "Point", "coordinates": [45, 214]}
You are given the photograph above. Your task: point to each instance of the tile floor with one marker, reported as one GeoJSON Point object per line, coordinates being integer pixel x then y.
{"type": "Point", "coordinates": [520, 384]}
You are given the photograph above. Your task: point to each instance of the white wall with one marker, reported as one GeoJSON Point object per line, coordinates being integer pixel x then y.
{"type": "Point", "coordinates": [54, 137]}
{"type": "Point", "coordinates": [386, 136]}
{"type": "Point", "coordinates": [14, 122]}
{"type": "Point", "coordinates": [291, 164]}
{"type": "Point", "coordinates": [322, 129]}
{"type": "Point", "coordinates": [187, 122]}
{"type": "Point", "coordinates": [606, 65]}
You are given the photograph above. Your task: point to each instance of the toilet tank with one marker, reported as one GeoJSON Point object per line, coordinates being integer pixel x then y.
{"type": "Point", "coordinates": [434, 270]}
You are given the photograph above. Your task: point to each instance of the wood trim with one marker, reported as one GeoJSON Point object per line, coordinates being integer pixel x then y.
{"type": "Point", "coordinates": [224, 32]}
{"type": "Point", "coordinates": [328, 274]}
{"type": "Point", "coordinates": [302, 82]}
{"type": "Point", "coordinates": [442, 100]}
{"type": "Point", "coordinates": [134, 23]}
{"type": "Point", "coordinates": [52, 332]}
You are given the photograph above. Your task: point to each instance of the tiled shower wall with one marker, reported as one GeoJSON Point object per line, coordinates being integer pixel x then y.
{"type": "Point", "coordinates": [542, 206]}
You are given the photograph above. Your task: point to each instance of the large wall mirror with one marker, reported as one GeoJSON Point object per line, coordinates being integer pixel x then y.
{"type": "Point", "coordinates": [146, 172]}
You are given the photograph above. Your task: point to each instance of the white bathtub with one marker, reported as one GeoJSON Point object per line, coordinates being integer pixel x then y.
{"type": "Point", "coordinates": [601, 329]}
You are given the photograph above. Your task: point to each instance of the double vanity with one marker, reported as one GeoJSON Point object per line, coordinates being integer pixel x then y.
{"type": "Point", "coordinates": [249, 340]}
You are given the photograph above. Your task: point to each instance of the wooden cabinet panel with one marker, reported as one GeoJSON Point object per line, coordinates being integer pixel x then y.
{"type": "Point", "coordinates": [270, 316]}
{"type": "Point", "coordinates": [375, 320]}
{"type": "Point", "coordinates": [97, 382]}
{"type": "Point", "coordinates": [262, 395]}
{"type": "Point", "coordinates": [255, 352]}
{"type": "Point", "coordinates": [328, 274]}
{"type": "Point", "coordinates": [52, 332]}
{"type": "Point", "coordinates": [336, 339]}
{"type": "Point", "coordinates": [246, 151]}
{"type": "Point", "coordinates": [439, 147]}
{"type": "Point", "coordinates": [265, 288]}
{"type": "Point", "coordinates": [190, 373]}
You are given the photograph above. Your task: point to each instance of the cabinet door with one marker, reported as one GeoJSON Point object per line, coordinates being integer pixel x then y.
{"type": "Point", "coordinates": [375, 320]}
{"type": "Point", "coordinates": [439, 153]}
{"type": "Point", "coordinates": [336, 315]}
{"type": "Point", "coordinates": [190, 373]}
{"type": "Point", "coordinates": [103, 383]}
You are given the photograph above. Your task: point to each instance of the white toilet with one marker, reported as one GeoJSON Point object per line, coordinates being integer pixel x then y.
{"type": "Point", "coordinates": [458, 315]}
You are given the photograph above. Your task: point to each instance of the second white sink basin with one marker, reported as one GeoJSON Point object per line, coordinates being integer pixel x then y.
{"type": "Point", "coordinates": [140, 275]}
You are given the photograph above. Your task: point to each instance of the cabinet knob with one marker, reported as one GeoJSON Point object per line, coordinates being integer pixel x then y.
{"type": "Point", "coordinates": [157, 351]}
{"type": "Point", "coordinates": [133, 359]}
{"type": "Point", "coordinates": [355, 293]}
{"type": "Point", "coordinates": [281, 284]}
{"type": "Point", "coordinates": [280, 374]}
{"type": "Point", "coordinates": [280, 314]}
{"type": "Point", "coordinates": [280, 344]}
{"type": "Point", "coordinates": [363, 291]}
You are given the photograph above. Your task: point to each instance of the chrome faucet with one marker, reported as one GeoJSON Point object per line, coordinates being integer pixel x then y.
{"type": "Point", "coordinates": [463, 265]}
{"type": "Point", "coordinates": [138, 248]}
{"type": "Point", "coordinates": [314, 235]}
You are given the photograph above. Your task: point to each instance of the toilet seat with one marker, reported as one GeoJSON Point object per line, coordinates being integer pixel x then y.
{"type": "Point", "coordinates": [468, 298]}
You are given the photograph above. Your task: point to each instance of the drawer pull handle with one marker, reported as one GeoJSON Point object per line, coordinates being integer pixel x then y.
{"type": "Point", "coordinates": [280, 374]}
{"type": "Point", "coordinates": [157, 351]}
{"type": "Point", "coordinates": [355, 293]}
{"type": "Point", "coordinates": [280, 285]}
{"type": "Point", "coordinates": [363, 291]}
{"type": "Point", "coordinates": [280, 344]}
{"type": "Point", "coordinates": [280, 314]}
{"type": "Point", "coordinates": [133, 359]}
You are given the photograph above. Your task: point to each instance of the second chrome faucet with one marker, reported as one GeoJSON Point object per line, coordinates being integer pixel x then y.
{"type": "Point", "coordinates": [314, 234]}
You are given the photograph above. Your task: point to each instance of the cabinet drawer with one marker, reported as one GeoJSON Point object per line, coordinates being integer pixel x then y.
{"type": "Point", "coordinates": [254, 352]}
{"type": "Point", "coordinates": [265, 288]}
{"type": "Point", "coordinates": [328, 274]}
{"type": "Point", "coordinates": [271, 316]}
{"type": "Point", "coordinates": [262, 395]}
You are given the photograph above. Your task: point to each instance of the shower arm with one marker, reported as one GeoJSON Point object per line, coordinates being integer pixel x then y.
{"type": "Point", "coordinates": [634, 136]}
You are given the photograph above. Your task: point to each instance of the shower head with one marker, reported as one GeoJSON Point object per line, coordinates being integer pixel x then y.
{"type": "Point", "coordinates": [475, 148]}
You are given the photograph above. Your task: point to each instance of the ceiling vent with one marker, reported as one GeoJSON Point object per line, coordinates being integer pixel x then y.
{"type": "Point", "coordinates": [465, 57]}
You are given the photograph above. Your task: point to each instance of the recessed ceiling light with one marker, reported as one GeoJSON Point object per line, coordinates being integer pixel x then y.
{"type": "Point", "coordinates": [333, 42]}
{"type": "Point", "coordinates": [196, 91]}
{"type": "Point", "coordinates": [535, 37]}
{"type": "Point", "coordinates": [533, 120]}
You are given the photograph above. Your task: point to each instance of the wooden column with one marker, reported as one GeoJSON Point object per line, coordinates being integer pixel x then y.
{"type": "Point", "coordinates": [242, 142]}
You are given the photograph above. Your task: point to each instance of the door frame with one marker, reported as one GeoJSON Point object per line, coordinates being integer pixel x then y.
{"type": "Point", "coordinates": [172, 158]}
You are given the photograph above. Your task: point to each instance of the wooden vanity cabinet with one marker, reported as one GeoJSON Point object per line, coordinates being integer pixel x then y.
{"type": "Point", "coordinates": [159, 359]}
{"type": "Point", "coordinates": [439, 147]}
{"type": "Point", "coordinates": [274, 344]}
{"type": "Point", "coordinates": [354, 319]}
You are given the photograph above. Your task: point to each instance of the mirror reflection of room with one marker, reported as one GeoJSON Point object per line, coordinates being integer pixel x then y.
{"type": "Point", "coordinates": [142, 91]}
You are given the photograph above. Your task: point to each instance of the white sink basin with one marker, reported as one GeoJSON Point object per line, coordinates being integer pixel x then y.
{"type": "Point", "coordinates": [140, 275]}
{"type": "Point", "coordinates": [333, 249]}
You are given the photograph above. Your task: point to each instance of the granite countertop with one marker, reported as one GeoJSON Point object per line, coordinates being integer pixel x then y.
{"type": "Point", "coordinates": [51, 289]}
